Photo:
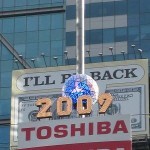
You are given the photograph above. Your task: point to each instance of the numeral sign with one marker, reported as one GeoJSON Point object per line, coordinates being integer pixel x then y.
{"type": "Point", "coordinates": [64, 105]}
{"type": "Point", "coordinates": [104, 101]}
{"type": "Point", "coordinates": [44, 104]}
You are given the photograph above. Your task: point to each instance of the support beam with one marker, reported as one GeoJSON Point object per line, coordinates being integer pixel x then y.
{"type": "Point", "coordinates": [80, 37]}
{"type": "Point", "coordinates": [14, 52]}
{"type": "Point", "coordinates": [31, 11]}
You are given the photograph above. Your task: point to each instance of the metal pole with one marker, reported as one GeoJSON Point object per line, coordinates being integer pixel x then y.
{"type": "Point", "coordinates": [80, 36]}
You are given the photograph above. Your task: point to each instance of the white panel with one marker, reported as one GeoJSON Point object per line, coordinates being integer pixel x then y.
{"type": "Point", "coordinates": [73, 2]}
{"type": "Point", "coordinates": [87, 23]}
{"type": "Point", "coordinates": [95, 23]}
{"type": "Point", "coordinates": [71, 51]}
{"type": "Point", "coordinates": [70, 2]}
{"type": "Point", "coordinates": [108, 22]}
{"type": "Point", "coordinates": [70, 25]}
{"type": "Point", "coordinates": [88, 1]}
{"type": "Point", "coordinates": [121, 21]}
{"type": "Point", "coordinates": [99, 23]}
{"type": "Point", "coordinates": [96, 1]}
{"type": "Point", "coordinates": [106, 50]}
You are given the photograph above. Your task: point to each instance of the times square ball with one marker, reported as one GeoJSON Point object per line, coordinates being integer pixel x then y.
{"type": "Point", "coordinates": [79, 85]}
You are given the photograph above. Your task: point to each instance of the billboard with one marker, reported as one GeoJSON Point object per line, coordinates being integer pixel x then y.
{"type": "Point", "coordinates": [127, 81]}
{"type": "Point", "coordinates": [110, 132]}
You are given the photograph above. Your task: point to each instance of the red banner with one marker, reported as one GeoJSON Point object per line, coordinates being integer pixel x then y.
{"type": "Point", "coordinates": [113, 145]}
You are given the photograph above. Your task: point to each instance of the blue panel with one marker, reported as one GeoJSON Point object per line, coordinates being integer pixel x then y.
{"type": "Point", "coordinates": [108, 9]}
{"type": "Point", "coordinates": [130, 49]}
{"type": "Point", "coordinates": [1, 4]}
{"type": "Point", "coordinates": [121, 34]}
{"type": "Point", "coordinates": [108, 35]}
{"type": "Point", "coordinates": [20, 38]}
{"type": "Point", "coordinates": [32, 50]}
{"type": "Point", "coordinates": [56, 47]}
{"type": "Point", "coordinates": [4, 137]}
{"type": "Point", "coordinates": [145, 18]}
{"type": "Point", "coordinates": [44, 22]}
{"type": "Point", "coordinates": [5, 55]}
{"type": "Point", "coordinates": [57, 34]}
{"type": "Point", "coordinates": [32, 2]}
{"type": "Point", "coordinates": [57, 21]}
{"type": "Point", "coordinates": [145, 6]}
{"type": "Point", "coordinates": [44, 35]}
{"type": "Point", "coordinates": [45, 1]}
{"type": "Point", "coordinates": [20, 2]}
{"type": "Point", "coordinates": [133, 6]}
{"type": "Point", "coordinates": [9, 37]}
{"type": "Point", "coordinates": [133, 20]}
{"type": "Point", "coordinates": [93, 36]}
{"type": "Point", "coordinates": [32, 37]}
{"type": "Point", "coordinates": [70, 38]}
{"type": "Point", "coordinates": [133, 33]}
{"type": "Point", "coordinates": [145, 32]}
{"type": "Point", "coordinates": [5, 109]}
{"type": "Point", "coordinates": [44, 47]}
{"type": "Point", "coordinates": [145, 45]}
{"type": "Point", "coordinates": [70, 12]}
{"type": "Point", "coordinates": [93, 10]}
{"type": "Point", "coordinates": [0, 25]}
{"type": "Point", "coordinates": [32, 23]}
{"type": "Point", "coordinates": [6, 28]}
{"type": "Point", "coordinates": [5, 79]}
{"type": "Point", "coordinates": [6, 65]}
{"type": "Point", "coordinates": [5, 93]}
{"type": "Point", "coordinates": [20, 24]}
{"type": "Point", "coordinates": [20, 48]}
{"type": "Point", "coordinates": [8, 3]}
{"type": "Point", "coordinates": [58, 1]}
{"type": "Point", "coordinates": [121, 7]}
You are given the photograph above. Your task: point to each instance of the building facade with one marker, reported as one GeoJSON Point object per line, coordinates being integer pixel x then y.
{"type": "Point", "coordinates": [42, 33]}
{"type": "Point", "coordinates": [121, 25]}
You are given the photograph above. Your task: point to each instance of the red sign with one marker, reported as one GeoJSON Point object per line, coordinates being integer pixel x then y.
{"type": "Point", "coordinates": [113, 145]}
{"type": "Point", "coordinates": [90, 133]}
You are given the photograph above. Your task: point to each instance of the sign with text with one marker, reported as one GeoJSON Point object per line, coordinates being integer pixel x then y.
{"type": "Point", "coordinates": [126, 81]}
{"type": "Point", "coordinates": [111, 132]}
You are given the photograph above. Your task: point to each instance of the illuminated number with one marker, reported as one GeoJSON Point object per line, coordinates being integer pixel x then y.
{"type": "Point", "coordinates": [44, 104]}
{"type": "Point", "coordinates": [80, 108]}
{"type": "Point", "coordinates": [105, 101]}
{"type": "Point", "coordinates": [64, 106]}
